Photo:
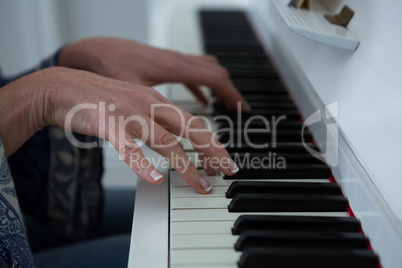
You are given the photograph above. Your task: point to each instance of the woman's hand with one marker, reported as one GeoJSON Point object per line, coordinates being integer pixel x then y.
{"type": "Point", "coordinates": [117, 111]}
{"type": "Point", "coordinates": [137, 63]}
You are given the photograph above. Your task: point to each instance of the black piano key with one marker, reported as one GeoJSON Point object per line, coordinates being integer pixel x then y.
{"type": "Point", "coordinates": [287, 203]}
{"type": "Point", "coordinates": [232, 54]}
{"type": "Point", "coordinates": [266, 90]}
{"type": "Point", "coordinates": [300, 239]}
{"type": "Point", "coordinates": [295, 223]}
{"type": "Point", "coordinates": [259, 124]}
{"type": "Point", "coordinates": [272, 104]}
{"type": "Point", "coordinates": [233, 49]}
{"type": "Point", "coordinates": [289, 115]}
{"type": "Point", "coordinates": [307, 258]}
{"type": "Point", "coordinates": [217, 23]}
{"type": "Point", "coordinates": [248, 66]}
{"type": "Point", "coordinates": [278, 169]}
{"type": "Point", "coordinates": [222, 13]}
{"type": "Point", "coordinates": [276, 96]}
{"type": "Point", "coordinates": [258, 113]}
{"type": "Point", "coordinates": [280, 148]}
{"type": "Point", "coordinates": [266, 97]}
{"type": "Point", "coordinates": [263, 84]}
{"type": "Point", "coordinates": [236, 73]}
{"type": "Point", "coordinates": [255, 61]}
{"type": "Point", "coordinates": [266, 187]}
{"type": "Point", "coordinates": [232, 43]}
{"type": "Point", "coordinates": [250, 91]}
{"type": "Point", "coordinates": [215, 50]}
{"type": "Point", "coordinates": [251, 71]}
{"type": "Point", "coordinates": [220, 24]}
{"type": "Point", "coordinates": [290, 159]}
{"type": "Point", "coordinates": [226, 35]}
{"type": "Point", "coordinates": [251, 137]}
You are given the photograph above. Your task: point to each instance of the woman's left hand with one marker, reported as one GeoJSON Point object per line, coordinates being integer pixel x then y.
{"type": "Point", "coordinates": [141, 64]}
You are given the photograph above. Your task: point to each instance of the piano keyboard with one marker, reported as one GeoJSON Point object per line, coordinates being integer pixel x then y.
{"type": "Point", "coordinates": [262, 217]}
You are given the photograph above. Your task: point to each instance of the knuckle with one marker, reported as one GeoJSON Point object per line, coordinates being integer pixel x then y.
{"type": "Point", "coordinates": [220, 75]}
{"type": "Point", "coordinates": [212, 58]}
{"type": "Point", "coordinates": [215, 150]}
{"type": "Point", "coordinates": [166, 138]}
{"type": "Point", "coordinates": [130, 147]}
{"type": "Point", "coordinates": [223, 73]}
{"type": "Point", "coordinates": [143, 96]}
{"type": "Point", "coordinates": [191, 172]}
{"type": "Point", "coordinates": [170, 59]}
{"type": "Point", "coordinates": [193, 122]}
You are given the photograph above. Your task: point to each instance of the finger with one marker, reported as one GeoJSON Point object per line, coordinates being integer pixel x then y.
{"type": "Point", "coordinates": [214, 76]}
{"type": "Point", "coordinates": [198, 94]}
{"type": "Point", "coordinates": [210, 62]}
{"type": "Point", "coordinates": [194, 59]}
{"type": "Point", "coordinates": [205, 70]}
{"type": "Point", "coordinates": [208, 166]}
{"type": "Point", "coordinates": [132, 154]}
{"type": "Point", "coordinates": [202, 59]}
{"type": "Point", "coordinates": [183, 124]}
{"type": "Point", "coordinates": [219, 99]}
{"type": "Point", "coordinates": [167, 145]}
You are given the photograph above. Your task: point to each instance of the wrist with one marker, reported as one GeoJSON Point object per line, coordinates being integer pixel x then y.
{"type": "Point", "coordinates": [23, 108]}
{"type": "Point", "coordinates": [79, 55]}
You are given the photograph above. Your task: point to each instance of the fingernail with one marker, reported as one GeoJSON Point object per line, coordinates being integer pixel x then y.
{"type": "Point", "coordinates": [205, 184]}
{"type": "Point", "coordinates": [233, 167]}
{"type": "Point", "coordinates": [155, 175]}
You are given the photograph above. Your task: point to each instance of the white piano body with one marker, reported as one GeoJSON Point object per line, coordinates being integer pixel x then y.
{"type": "Point", "coordinates": [365, 86]}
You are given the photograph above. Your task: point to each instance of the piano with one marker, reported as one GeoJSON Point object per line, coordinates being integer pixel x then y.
{"type": "Point", "coordinates": [346, 212]}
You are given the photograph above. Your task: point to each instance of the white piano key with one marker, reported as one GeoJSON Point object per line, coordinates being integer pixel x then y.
{"type": "Point", "coordinates": [187, 147]}
{"type": "Point", "coordinates": [213, 202]}
{"type": "Point", "coordinates": [197, 241]}
{"type": "Point", "coordinates": [225, 215]}
{"type": "Point", "coordinates": [204, 257]}
{"type": "Point", "coordinates": [187, 191]}
{"type": "Point", "coordinates": [177, 180]}
{"type": "Point", "coordinates": [204, 227]}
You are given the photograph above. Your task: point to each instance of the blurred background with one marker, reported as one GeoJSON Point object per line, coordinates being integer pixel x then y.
{"type": "Point", "coordinates": [31, 30]}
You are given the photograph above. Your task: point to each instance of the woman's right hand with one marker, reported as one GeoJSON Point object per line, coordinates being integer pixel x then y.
{"type": "Point", "coordinates": [117, 111]}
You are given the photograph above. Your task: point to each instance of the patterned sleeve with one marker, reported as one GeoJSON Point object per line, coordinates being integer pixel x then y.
{"type": "Point", "coordinates": [46, 63]}
{"type": "Point", "coordinates": [57, 183]}
{"type": "Point", "coordinates": [14, 247]}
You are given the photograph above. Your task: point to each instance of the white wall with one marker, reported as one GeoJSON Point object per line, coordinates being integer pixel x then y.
{"type": "Point", "coordinates": [31, 30]}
